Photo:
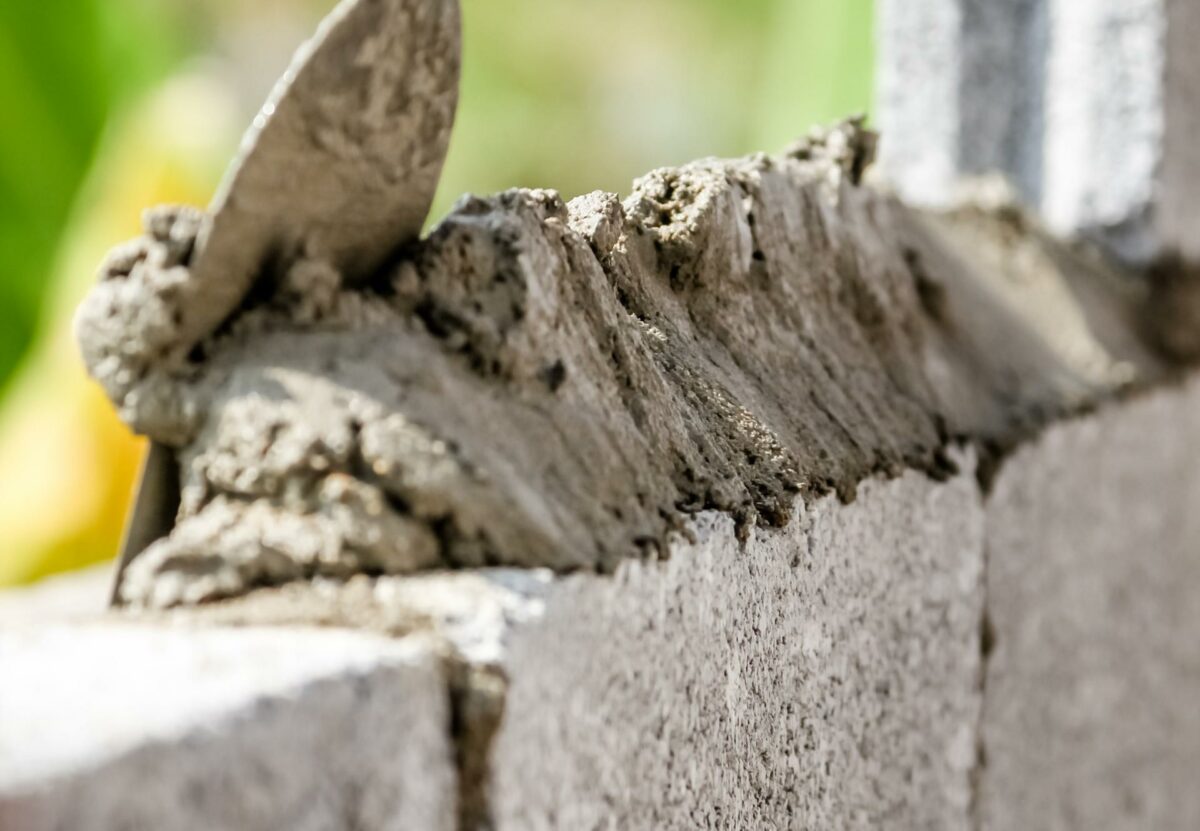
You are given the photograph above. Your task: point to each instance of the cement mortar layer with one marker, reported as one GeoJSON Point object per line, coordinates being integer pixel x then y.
{"type": "Point", "coordinates": [540, 384]}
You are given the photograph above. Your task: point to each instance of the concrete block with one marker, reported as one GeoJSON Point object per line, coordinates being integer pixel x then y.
{"type": "Point", "coordinates": [559, 389]}
{"type": "Point", "coordinates": [77, 595]}
{"type": "Point", "coordinates": [1089, 108]}
{"type": "Point", "coordinates": [921, 73]}
{"type": "Point", "coordinates": [1105, 127]}
{"type": "Point", "coordinates": [110, 726]}
{"type": "Point", "coordinates": [1179, 177]}
{"type": "Point", "coordinates": [1092, 705]}
{"type": "Point", "coordinates": [960, 93]}
{"type": "Point", "coordinates": [823, 676]}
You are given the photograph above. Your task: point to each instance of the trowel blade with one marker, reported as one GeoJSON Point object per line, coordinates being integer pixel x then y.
{"type": "Point", "coordinates": [154, 509]}
{"type": "Point", "coordinates": [342, 164]}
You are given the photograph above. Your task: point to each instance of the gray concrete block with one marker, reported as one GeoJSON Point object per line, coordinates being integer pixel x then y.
{"type": "Point", "coordinates": [1180, 174]}
{"type": "Point", "coordinates": [921, 72]}
{"type": "Point", "coordinates": [961, 93]}
{"type": "Point", "coordinates": [109, 726]}
{"type": "Point", "coordinates": [72, 596]}
{"type": "Point", "coordinates": [1092, 706]}
{"type": "Point", "coordinates": [825, 676]}
{"type": "Point", "coordinates": [1106, 111]}
{"type": "Point", "coordinates": [1089, 108]}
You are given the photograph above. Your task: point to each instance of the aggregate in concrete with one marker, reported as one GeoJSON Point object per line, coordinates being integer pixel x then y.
{"type": "Point", "coordinates": [822, 676]}
{"type": "Point", "coordinates": [931, 655]}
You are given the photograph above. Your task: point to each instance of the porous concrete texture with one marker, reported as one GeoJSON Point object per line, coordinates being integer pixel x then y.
{"type": "Point", "coordinates": [110, 725]}
{"type": "Point", "coordinates": [822, 676]}
{"type": "Point", "coordinates": [933, 655]}
{"type": "Point", "coordinates": [1089, 108]}
{"type": "Point", "coordinates": [1092, 705]}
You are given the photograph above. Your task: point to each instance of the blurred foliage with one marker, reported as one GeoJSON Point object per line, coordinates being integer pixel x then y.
{"type": "Point", "coordinates": [65, 67]}
{"type": "Point", "coordinates": [109, 106]}
{"type": "Point", "coordinates": [67, 464]}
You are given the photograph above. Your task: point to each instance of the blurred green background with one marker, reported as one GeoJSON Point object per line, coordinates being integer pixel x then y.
{"type": "Point", "coordinates": [109, 106]}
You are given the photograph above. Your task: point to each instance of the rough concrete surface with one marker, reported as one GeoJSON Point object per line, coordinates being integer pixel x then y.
{"type": "Point", "coordinates": [823, 676]}
{"type": "Point", "coordinates": [832, 674]}
{"type": "Point", "coordinates": [468, 612]}
{"type": "Point", "coordinates": [1180, 174]}
{"type": "Point", "coordinates": [1106, 110]}
{"type": "Point", "coordinates": [108, 726]}
{"type": "Point", "coordinates": [561, 386]}
{"type": "Point", "coordinates": [1088, 108]}
{"type": "Point", "coordinates": [1092, 714]}
{"type": "Point", "coordinates": [931, 655]}
{"type": "Point", "coordinates": [918, 86]}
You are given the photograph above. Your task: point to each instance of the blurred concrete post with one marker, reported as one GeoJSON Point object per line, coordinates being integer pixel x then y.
{"type": "Point", "coordinates": [1091, 109]}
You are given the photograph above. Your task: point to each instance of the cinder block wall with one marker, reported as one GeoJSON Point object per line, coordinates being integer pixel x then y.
{"type": "Point", "coordinates": [927, 549]}
{"type": "Point", "coordinates": [933, 655]}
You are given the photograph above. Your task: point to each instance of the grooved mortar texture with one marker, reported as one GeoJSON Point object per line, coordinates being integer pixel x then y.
{"type": "Point", "coordinates": [540, 384]}
{"type": "Point", "coordinates": [699, 480]}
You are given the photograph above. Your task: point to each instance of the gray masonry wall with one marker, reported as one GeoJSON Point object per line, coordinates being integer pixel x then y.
{"type": "Point", "coordinates": [830, 676]}
{"type": "Point", "coordinates": [932, 655]}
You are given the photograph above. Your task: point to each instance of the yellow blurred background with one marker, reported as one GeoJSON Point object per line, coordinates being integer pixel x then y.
{"type": "Point", "coordinates": [110, 106]}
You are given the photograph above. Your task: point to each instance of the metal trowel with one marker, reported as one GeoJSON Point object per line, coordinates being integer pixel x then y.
{"type": "Point", "coordinates": [341, 165]}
